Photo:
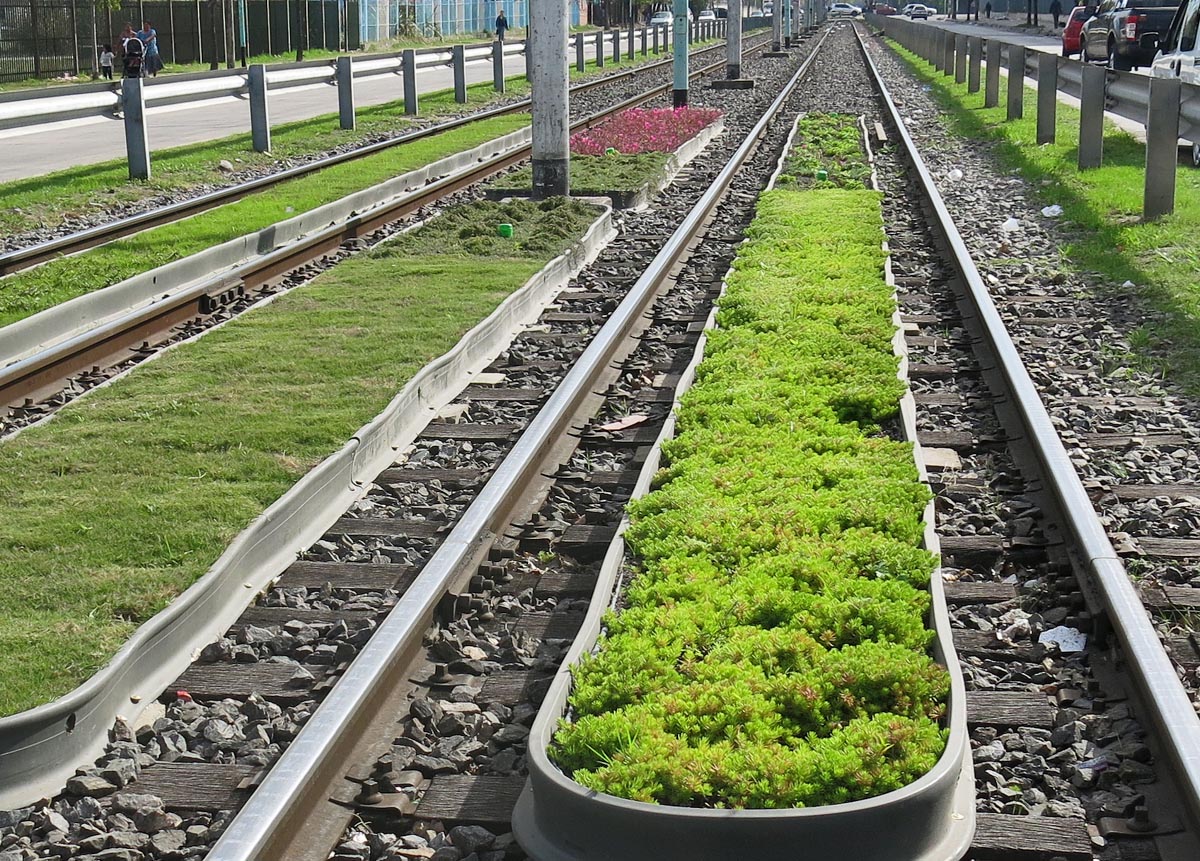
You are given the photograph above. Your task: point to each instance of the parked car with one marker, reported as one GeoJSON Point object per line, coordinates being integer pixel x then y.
{"type": "Point", "coordinates": [1114, 34]}
{"type": "Point", "coordinates": [844, 10]}
{"type": "Point", "coordinates": [1073, 29]}
{"type": "Point", "coordinates": [916, 10]}
{"type": "Point", "coordinates": [1177, 52]}
{"type": "Point", "coordinates": [662, 18]}
{"type": "Point", "coordinates": [707, 15]}
{"type": "Point", "coordinates": [884, 9]}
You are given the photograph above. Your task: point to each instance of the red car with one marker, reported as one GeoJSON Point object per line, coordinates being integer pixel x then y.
{"type": "Point", "coordinates": [884, 10]}
{"type": "Point", "coordinates": [1072, 34]}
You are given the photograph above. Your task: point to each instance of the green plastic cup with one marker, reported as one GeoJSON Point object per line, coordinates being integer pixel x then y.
{"type": "Point", "coordinates": [822, 174]}
{"type": "Point", "coordinates": [505, 230]}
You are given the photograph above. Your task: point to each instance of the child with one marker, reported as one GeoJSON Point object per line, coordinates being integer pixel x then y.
{"type": "Point", "coordinates": [106, 61]}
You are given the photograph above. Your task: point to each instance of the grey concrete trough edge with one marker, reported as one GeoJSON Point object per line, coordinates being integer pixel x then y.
{"type": "Point", "coordinates": [85, 313]}
{"type": "Point", "coordinates": [932, 819]}
{"type": "Point", "coordinates": [42, 747]}
{"type": "Point", "coordinates": [1170, 708]}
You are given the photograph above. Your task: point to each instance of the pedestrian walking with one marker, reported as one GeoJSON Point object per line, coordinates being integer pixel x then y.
{"type": "Point", "coordinates": [987, 10]}
{"type": "Point", "coordinates": [1056, 11]}
{"type": "Point", "coordinates": [106, 61]}
{"type": "Point", "coordinates": [149, 37]}
{"type": "Point", "coordinates": [501, 25]}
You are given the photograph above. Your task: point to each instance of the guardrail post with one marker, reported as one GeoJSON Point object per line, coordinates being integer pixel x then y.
{"type": "Point", "coordinates": [655, 29]}
{"type": "Point", "coordinates": [137, 142]}
{"type": "Point", "coordinates": [458, 59]}
{"type": "Point", "coordinates": [947, 53]}
{"type": "Point", "coordinates": [345, 88]}
{"type": "Point", "coordinates": [960, 59]}
{"type": "Point", "coordinates": [974, 52]}
{"type": "Point", "coordinates": [408, 70]}
{"type": "Point", "coordinates": [600, 49]}
{"type": "Point", "coordinates": [629, 44]}
{"type": "Point", "coordinates": [498, 66]}
{"type": "Point", "coordinates": [1162, 139]}
{"type": "Point", "coordinates": [1091, 117]}
{"type": "Point", "coordinates": [991, 90]}
{"type": "Point", "coordinates": [616, 54]}
{"type": "Point", "coordinates": [935, 48]}
{"type": "Point", "coordinates": [580, 62]}
{"type": "Point", "coordinates": [1047, 98]}
{"type": "Point", "coordinates": [1016, 82]}
{"type": "Point", "coordinates": [644, 51]}
{"type": "Point", "coordinates": [260, 121]}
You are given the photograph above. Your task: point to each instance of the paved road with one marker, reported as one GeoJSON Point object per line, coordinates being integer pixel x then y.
{"type": "Point", "coordinates": [71, 143]}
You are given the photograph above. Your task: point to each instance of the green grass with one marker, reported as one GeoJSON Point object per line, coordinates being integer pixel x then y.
{"type": "Point", "coordinates": [26, 293]}
{"type": "Point", "coordinates": [599, 174]}
{"type": "Point", "coordinates": [1161, 257]}
{"type": "Point", "coordinates": [130, 494]}
{"type": "Point", "coordinates": [829, 142]}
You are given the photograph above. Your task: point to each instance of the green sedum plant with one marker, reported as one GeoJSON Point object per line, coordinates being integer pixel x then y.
{"type": "Point", "coordinates": [772, 650]}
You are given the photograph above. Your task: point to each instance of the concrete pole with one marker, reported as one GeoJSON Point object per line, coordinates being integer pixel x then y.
{"type": "Point", "coordinates": [549, 80]}
{"type": "Point", "coordinates": [260, 122]}
{"type": "Point", "coordinates": [787, 22]}
{"type": "Point", "coordinates": [991, 89]}
{"type": "Point", "coordinates": [408, 71]}
{"type": "Point", "coordinates": [1162, 138]}
{"type": "Point", "coordinates": [960, 59]}
{"type": "Point", "coordinates": [1091, 117]}
{"type": "Point", "coordinates": [498, 66]}
{"type": "Point", "coordinates": [733, 45]}
{"type": "Point", "coordinates": [580, 61]}
{"type": "Point", "coordinates": [458, 56]}
{"type": "Point", "coordinates": [1047, 98]}
{"type": "Point", "coordinates": [137, 142]}
{"type": "Point", "coordinates": [974, 50]}
{"type": "Point", "coordinates": [1016, 82]}
{"type": "Point", "coordinates": [680, 45]}
{"type": "Point", "coordinates": [600, 49]}
{"type": "Point", "coordinates": [776, 30]}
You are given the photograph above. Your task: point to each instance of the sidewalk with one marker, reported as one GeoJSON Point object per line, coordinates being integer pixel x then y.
{"type": "Point", "coordinates": [72, 143]}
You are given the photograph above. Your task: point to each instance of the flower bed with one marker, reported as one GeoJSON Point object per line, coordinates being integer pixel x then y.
{"type": "Point", "coordinates": [629, 157]}
{"type": "Point", "coordinates": [773, 651]}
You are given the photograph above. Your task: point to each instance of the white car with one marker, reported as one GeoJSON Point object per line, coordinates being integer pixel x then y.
{"type": "Point", "coordinates": [707, 15]}
{"type": "Point", "coordinates": [1179, 52]}
{"type": "Point", "coordinates": [661, 18]}
{"type": "Point", "coordinates": [916, 10]}
{"type": "Point", "coordinates": [844, 10]}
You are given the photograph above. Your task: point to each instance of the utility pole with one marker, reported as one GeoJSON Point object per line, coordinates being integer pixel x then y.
{"type": "Point", "coordinates": [679, 44]}
{"type": "Point", "coordinates": [549, 79]}
{"type": "Point", "coordinates": [733, 51]}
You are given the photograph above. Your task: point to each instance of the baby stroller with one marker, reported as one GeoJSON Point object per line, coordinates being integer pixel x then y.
{"type": "Point", "coordinates": [134, 57]}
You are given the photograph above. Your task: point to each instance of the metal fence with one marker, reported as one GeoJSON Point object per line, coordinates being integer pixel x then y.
{"type": "Point", "coordinates": [45, 38]}
{"type": "Point", "coordinates": [386, 19]}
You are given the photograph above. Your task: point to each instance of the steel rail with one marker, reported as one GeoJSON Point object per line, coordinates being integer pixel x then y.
{"type": "Point", "coordinates": [262, 828]}
{"type": "Point", "coordinates": [24, 258]}
{"type": "Point", "coordinates": [37, 373]}
{"type": "Point", "coordinates": [1171, 710]}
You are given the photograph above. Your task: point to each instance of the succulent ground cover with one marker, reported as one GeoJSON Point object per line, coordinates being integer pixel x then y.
{"type": "Point", "coordinates": [626, 152]}
{"type": "Point", "coordinates": [772, 650]}
{"type": "Point", "coordinates": [128, 495]}
{"type": "Point", "coordinates": [826, 142]}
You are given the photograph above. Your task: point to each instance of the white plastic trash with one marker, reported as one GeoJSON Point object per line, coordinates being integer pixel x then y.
{"type": "Point", "coordinates": [954, 175]}
{"type": "Point", "coordinates": [1052, 211]}
{"type": "Point", "coordinates": [1011, 226]}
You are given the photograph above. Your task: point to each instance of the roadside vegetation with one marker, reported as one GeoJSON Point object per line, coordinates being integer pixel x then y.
{"type": "Point", "coordinates": [1161, 258]}
{"type": "Point", "coordinates": [772, 650]}
{"type": "Point", "coordinates": [826, 142]}
{"type": "Point", "coordinates": [42, 287]}
{"type": "Point", "coordinates": [130, 494]}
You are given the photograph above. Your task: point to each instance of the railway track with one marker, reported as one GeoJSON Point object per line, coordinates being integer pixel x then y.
{"type": "Point", "coordinates": [45, 380]}
{"type": "Point", "coordinates": [30, 255]}
{"type": "Point", "coordinates": [418, 744]}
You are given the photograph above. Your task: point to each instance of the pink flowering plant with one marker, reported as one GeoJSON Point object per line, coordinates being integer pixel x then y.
{"type": "Point", "coordinates": [641, 130]}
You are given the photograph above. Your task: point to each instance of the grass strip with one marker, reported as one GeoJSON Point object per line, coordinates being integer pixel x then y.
{"type": "Point", "coordinates": [130, 494]}
{"type": "Point", "coordinates": [50, 199]}
{"type": "Point", "coordinates": [599, 174]}
{"type": "Point", "coordinates": [772, 652]}
{"type": "Point", "coordinates": [1160, 257]}
{"type": "Point", "coordinates": [44, 286]}
{"type": "Point", "coordinates": [828, 142]}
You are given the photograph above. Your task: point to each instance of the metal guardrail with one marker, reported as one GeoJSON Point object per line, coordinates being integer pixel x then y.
{"type": "Point", "coordinates": [1167, 108]}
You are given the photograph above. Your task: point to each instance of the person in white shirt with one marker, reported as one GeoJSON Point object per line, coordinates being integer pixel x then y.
{"type": "Point", "coordinates": [106, 61]}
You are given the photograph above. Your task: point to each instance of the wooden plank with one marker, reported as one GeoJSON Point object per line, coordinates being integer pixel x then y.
{"type": "Point", "coordinates": [935, 399]}
{"type": "Point", "coordinates": [640, 435]}
{"type": "Point", "coordinates": [496, 393]}
{"type": "Point", "coordinates": [388, 527]}
{"type": "Point", "coordinates": [1123, 440]}
{"type": "Point", "coordinates": [1169, 548]}
{"type": "Point", "coordinates": [959, 592]}
{"type": "Point", "coordinates": [1183, 652]}
{"type": "Point", "coordinates": [569, 317]}
{"type": "Point", "coordinates": [482, 799]}
{"type": "Point", "coordinates": [1177, 598]}
{"type": "Point", "coordinates": [550, 626]}
{"type": "Point", "coordinates": [983, 644]}
{"type": "Point", "coordinates": [927, 371]}
{"type": "Point", "coordinates": [1152, 491]}
{"type": "Point", "coordinates": [971, 545]}
{"type": "Point", "coordinates": [586, 539]}
{"type": "Point", "coordinates": [618, 478]}
{"type": "Point", "coordinates": [268, 679]}
{"type": "Point", "coordinates": [515, 686]}
{"type": "Point", "coordinates": [1030, 320]}
{"type": "Point", "coordinates": [957, 440]}
{"type": "Point", "coordinates": [358, 576]}
{"type": "Point", "coordinates": [266, 617]}
{"type": "Point", "coordinates": [448, 477]}
{"type": "Point", "coordinates": [565, 584]}
{"type": "Point", "coordinates": [1029, 838]}
{"type": "Point", "coordinates": [196, 785]}
{"type": "Point", "coordinates": [472, 431]}
{"type": "Point", "coordinates": [1009, 709]}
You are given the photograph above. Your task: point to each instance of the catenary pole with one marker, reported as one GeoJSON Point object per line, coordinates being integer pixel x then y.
{"type": "Point", "coordinates": [679, 42]}
{"type": "Point", "coordinates": [549, 79]}
{"type": "Point", "coordinates": [733, 41]}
